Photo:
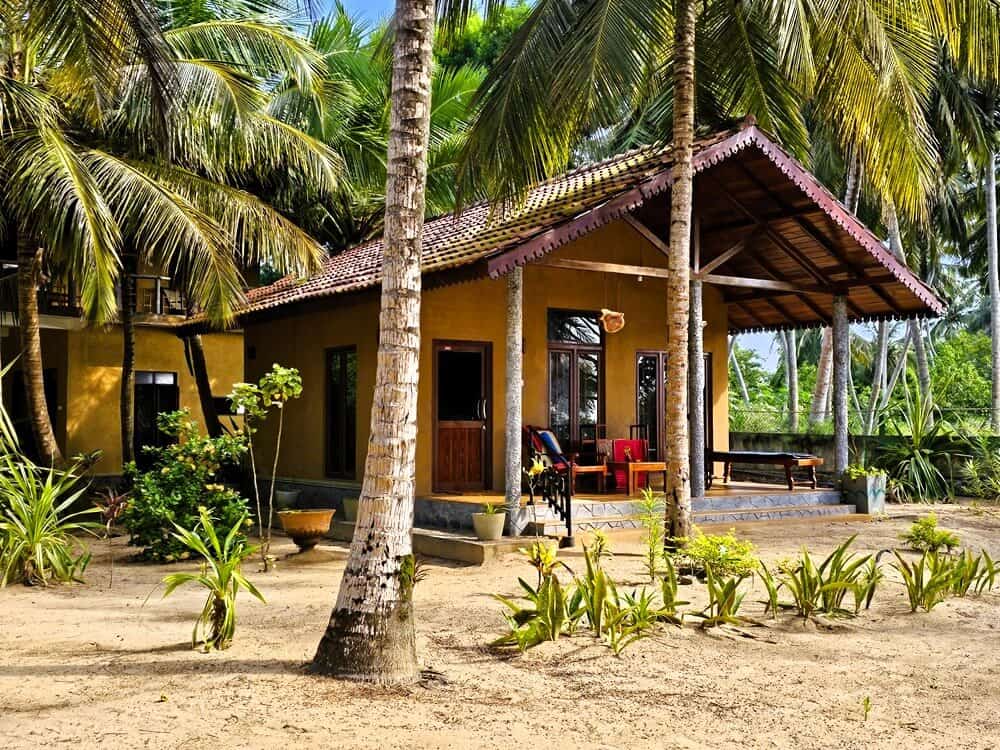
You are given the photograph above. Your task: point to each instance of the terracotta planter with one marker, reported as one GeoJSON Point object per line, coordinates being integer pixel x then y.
{"type": "Point", "coordinates": [867, 493]}
{"type": "Point", "coordinates": [488, 526]}
{"type": "Point", "coordinates": [351, 509]}
{"type": "Point", "coordinates": [306, 527]}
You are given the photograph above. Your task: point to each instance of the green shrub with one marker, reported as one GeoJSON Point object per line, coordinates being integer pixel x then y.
{"type": "Point", "coordinates": [725, 553]}
{"type": "Point", "coordinates": [221, 574]}
{"type": "Point", "coordinates": [724, 599]}
{"type": "Point", "coordinates": [185, 477]}
{"type": "Point", "coordinates": [821, 589]}
{"type": "Point", "coordinates": [925, 536]}
{"type": "Point", "coordinates": [651, 510]}
{"type": "Point", "coordinates": [37, 525]}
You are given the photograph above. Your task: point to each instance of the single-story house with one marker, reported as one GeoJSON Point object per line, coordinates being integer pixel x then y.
{"type": "Point", "coordinates": [773, 249]}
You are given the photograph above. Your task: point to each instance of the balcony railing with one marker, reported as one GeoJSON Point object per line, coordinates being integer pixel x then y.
{"type": "Point", "coordinates": [154, 295]}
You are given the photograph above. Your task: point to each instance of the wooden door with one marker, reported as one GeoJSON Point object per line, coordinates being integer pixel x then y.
{"type": "Point", "coordinates": [462, 420]}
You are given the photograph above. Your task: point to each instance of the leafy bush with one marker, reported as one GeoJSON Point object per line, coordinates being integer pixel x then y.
{"type": "Point", "coordinates": [859, 471]}
{"type": "Point", "coordinates": [725, 553]}
{"type": "Point", "coordinates": [185, 477]}
{"type": "Point", "coordinates": [924, 535]}
{"type": "Point", "coordinates": [37, 545]}
{"type": "Point", "coordinates": [980, 473]}
{"type": "Point", "coordinates": [221, 574]}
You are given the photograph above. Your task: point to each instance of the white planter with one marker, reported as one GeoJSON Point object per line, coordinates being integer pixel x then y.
{"type": "Point", "coordinates": [488, 526]}
{"type": "Point", "coordinates": [867, 494]}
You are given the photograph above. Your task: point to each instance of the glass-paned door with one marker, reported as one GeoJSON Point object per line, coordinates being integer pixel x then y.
{"type": "Point", "coordinates": [341, 412]}
{"type": "Point", "coordinates": [576, 376]}
{"type": "Point", "coordinates": [651, 379]}
{"type": "Point", "coordinates": [155, 393]}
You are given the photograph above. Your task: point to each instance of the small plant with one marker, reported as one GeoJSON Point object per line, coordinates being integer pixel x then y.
{"type": "Point", "coordinates": [928, 581]}
{"type": "Point", "coordinates": [111, 508]}
{"type": "Point", "coordinates": [866, 706]}
{"type": "Point", "coordinates": [725, 553]}
{"type": "Point", "coordinates": [925, 536]}
{"type": "Point", "coordinates": [548, 616]}
{"type": "Point", "coordinates": [651, 510]}
{"type": "Point", "coordinates": [668, 594]}
{"type": "Point", "coordinates": [724, 600]}
{"type": "Point", "coordinates": [491, 510]}
{"type": "Point", "coordinates": [771, 586]}
{"type": "Point", "coordinates": [221, 574]}
{"type": "Point", "coordinates": [543, 558]}
{"type": "Point", "coordinates": [254, 402]}
{"type": "Point", "coordinates": [859, 471]}
{"type": "Point", "coordinates": [37, 545]}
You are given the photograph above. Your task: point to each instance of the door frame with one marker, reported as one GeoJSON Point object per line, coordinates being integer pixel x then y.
{"type": "Point", "coordinates": [486, 348]}
{"type": "Point", "coordinates": [709, 414]}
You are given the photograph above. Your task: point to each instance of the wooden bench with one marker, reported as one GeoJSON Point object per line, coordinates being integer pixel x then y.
{"type": "Point", "coordinates": [788, 460]}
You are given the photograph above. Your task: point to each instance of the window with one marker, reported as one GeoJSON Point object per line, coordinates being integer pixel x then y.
{"type": "Point", "coordinates": [650, 401]}
{"type": "Point", "coordinates": [576, 375]}
{"type": "Point", "coordinates": [155, 393]}
{"type": "Point", "coordinates": [341, 412]}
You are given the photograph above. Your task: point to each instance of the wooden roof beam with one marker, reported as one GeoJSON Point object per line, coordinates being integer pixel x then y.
{"type": "Point", "coordinates": [652, 237]}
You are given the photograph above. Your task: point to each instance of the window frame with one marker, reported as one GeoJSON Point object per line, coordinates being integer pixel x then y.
{"type": "Point", "coordinates": [350, 463]}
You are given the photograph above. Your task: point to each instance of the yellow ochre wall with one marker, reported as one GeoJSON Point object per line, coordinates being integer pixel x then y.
{"type": "Point", "coordinates": [94, 363]}
{"type": "Point", "coordinates": [475, 311]}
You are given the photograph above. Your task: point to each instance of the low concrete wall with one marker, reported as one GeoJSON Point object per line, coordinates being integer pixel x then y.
{"type": "Point", "coordinates": [819, 445]}
{"type": "Point", "coordinates": [315, 493]}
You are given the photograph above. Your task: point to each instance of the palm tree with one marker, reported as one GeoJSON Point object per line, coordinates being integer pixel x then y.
{"type": "Point", "coordinates": [224, 63]}
{"type": "Point", "coordinates": [371, 634]}
{"type": "Point", "coordinates": [351, 115]}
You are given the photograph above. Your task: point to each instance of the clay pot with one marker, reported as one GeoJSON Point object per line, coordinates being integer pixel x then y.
{"type": "Point", "coordinates": [488, 526]}
{"type": "Point", "coordinates": [306, 527]}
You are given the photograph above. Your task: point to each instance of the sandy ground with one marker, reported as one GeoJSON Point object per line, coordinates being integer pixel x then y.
{"type": "Point", "coordinates": [99, 666]}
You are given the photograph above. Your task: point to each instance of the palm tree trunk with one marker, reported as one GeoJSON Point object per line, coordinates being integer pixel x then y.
{"type": "Point", "coordinates": [824, 369]}
{"type": "Point", "coordinates": [678, 489]}
{"type": "Point", "coordinates": [819, 408]}
{"type": "Point", "coordinates": [735, 362]}
{"type": "Point", "coordinates": [841, 363]}
{"type": "Point", "coordinates": [878, 375]}
{"type": "Point", "coordinates": [512, 410]}
{"type": "Point", "coordinates": [792, 378]}
{"type": "Point", "coordinates": [371, 636]}
{"type": "Point", "coordinates": [127, 400]}
{"type": "Point", "coordinates": [29, 275]}
{"type": "Point", "coordinates": [915, 329]}
{"type": "Point", "coordinates": [994, 286]}
{"type": "Point", "coordinates": [199, 368]}
{"type": "Point", "coordinates": [696, 390]}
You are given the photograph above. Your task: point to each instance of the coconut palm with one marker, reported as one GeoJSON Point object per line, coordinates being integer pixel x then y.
{"type": "Point", "coordinates": [371, 635]}
{"type": "Point", "coordinates": [223, 64]}
{"type": "Point", "coordinates": [352, 118]}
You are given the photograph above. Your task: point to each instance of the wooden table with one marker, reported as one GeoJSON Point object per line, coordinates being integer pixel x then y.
{"type": "Point", "coordinates": [633, 468]}
{"type": "Point", "coordinates": [599, 471]}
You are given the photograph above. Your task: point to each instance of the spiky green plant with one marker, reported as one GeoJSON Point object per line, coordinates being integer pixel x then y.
{"type": "Point", "coordinates": [37, 527]}
{"type": "Point", "coordinates": [221, 574]}
{"type": "Point", "coordinates": [928, 581]}
{"type": "Point", "coordinates": [724, 600]}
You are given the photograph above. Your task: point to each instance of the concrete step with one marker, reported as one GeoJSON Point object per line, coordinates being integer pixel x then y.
{"type": "Point", "coordinates": [621, 522]}
{"type": "Point", "coordinates": [774, 513]}
{"type": "Point", "coordinates": [765, 500]}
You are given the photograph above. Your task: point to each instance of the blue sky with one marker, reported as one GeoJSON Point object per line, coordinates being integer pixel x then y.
{"type": "Point", "coordinates": [372, 10]}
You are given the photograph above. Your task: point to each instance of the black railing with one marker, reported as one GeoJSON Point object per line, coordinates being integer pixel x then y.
{"type": "Point", "coordinates": [555, 489]}
{"type": "Point", "coordinates": [153, 295]}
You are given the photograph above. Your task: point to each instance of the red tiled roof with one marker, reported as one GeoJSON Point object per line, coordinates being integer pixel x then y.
{"type": "Point", "coordinates": [568, 206]}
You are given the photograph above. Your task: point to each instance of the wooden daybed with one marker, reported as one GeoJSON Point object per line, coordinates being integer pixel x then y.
{"type": "Point", "coordinates": [788, 460]}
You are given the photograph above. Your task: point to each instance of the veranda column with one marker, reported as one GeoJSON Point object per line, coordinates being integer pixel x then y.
{"type": "Point", "coordinates": [841, 361]}
{"type": "Point", "coordinates": [696, 390]}
{"type": "Point", "coordinates": [512, 404]}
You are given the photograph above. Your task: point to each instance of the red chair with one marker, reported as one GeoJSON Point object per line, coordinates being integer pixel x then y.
{"type": "Point", "coordinates": [627, 451]}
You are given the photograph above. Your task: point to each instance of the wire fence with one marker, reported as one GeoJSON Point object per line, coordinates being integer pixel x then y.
{"type": "Point", "coordinates": [963, 421]}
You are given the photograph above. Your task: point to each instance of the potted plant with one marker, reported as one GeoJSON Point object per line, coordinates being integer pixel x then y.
{"type": "Point", "coordinates": [864, 487]}
{"type": "Point", "coordinates": [350, 509]}
{"type": "Point", "coordinates": [306, 527]}
{"type": "Point", "coordinates": [489, 523]}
